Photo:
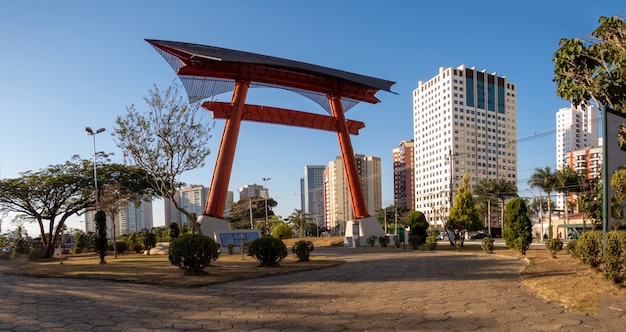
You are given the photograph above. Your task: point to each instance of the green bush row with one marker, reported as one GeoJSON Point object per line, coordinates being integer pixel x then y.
{"type": "Point", "coordinates": [588, 249]}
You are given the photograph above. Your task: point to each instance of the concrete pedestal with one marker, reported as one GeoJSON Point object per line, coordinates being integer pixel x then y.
{"type": "Point", "coordinates": [210, 225]}
{"type": "Point", "coordinates": [357, 231]}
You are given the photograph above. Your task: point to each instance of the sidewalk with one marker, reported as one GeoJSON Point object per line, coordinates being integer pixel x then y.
{"type": "Point", "coordinates": [374, 290]}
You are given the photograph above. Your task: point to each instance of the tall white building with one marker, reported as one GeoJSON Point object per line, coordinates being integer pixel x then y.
{"type": "Point", "coordinates": [576, 128]}
{"type": "Point", "coordinates": [464, 123]}
{"type": "Point", "coordinates": [193, 199]}
{"type": "Point", "coordinates": [338, 204]}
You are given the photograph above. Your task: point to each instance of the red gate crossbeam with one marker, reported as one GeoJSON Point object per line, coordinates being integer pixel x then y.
{"type": "Point", "coordinates": [274, 115]}
{"type": "Point", "coordinates": [290, 79]}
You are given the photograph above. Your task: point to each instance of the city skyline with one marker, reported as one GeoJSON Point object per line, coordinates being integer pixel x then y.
{"type": "Point", "coordinates": [73, 65]}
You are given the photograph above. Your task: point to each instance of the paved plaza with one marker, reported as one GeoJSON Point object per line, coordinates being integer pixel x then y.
{"type": "Point", "coordinates": [374, 290]}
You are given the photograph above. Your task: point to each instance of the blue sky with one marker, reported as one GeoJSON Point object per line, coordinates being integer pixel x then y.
{"type": "Point", "coordinates": [66, 65]}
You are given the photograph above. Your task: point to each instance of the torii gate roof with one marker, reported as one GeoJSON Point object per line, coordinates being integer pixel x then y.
{"type": "Point", "coordinates": [207, 71]}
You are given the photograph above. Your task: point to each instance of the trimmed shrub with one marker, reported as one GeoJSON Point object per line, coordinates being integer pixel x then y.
{"type": "Point", "coordinates": [517, 225]}
{"type": "Point", "coordinates": [383, 240]}
{"type": "Point", "coordinates": [571, 248]}
{"type": "Point", "coordinates": [101, 235]}
{"type": "Point", "coordinates": [431, 242]}
{"type": "Point", "coordinates": [414, 241]}
{"type": "Point", "coordinates": [615, 256]}
{"type": "Point", "coordinates": [136, 247]}
{"type": "Point", "coordinates": [193, 252]}
{"type": "Point", "coordinates": [371, 240]}
{"type": "Point", "coordinates": [22, 246]}
{"type": "Point", "coordinates": [35, 252]}
{"type": "Point", "coordinates": [303, 250]}
{"type": "Point", "coordinates": [522, 244]}
{"type": "Point", "coordinates": [554, 246]}
{"type": "Point", "coordinates": [589, 248]}
{"type": "Point", "coordinates": [231, 248]}
{"type": "Point", "coordinates": [121, 246]}
{"type": "Point", "coordinates": [268, 250]}
{"type": "Point", "coordinates": [487, 245]}
{"type": "Point", "coordinates": [245, 247]}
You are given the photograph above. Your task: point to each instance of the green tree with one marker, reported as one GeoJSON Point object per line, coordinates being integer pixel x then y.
{"type": "Point", "coordinates": [240, 211]}
{"type": "Point", "coordinates": [517, 224]}
{"type": "Point", "coordinates": [281, 230]}
{"type": "Point", "coordinates": [297, 219]}
{"type": "Point", "coordinates": [148, 240]}
{"type": "Point", "coordinates": [594, 69]}
{"type": "Point", "coordinates": [418, 224]}
{"type": "Point", "coordinates": [389, 215]}
{"type": "Point", "coordinates": [101, 235]}
{"type": "Point", "coordinates": [567, 182]}
{"type": "Point", "coordinates": [166, 140]}
{"type": "Point", "coordinates": [174, 231]}
{"type": "Point", "coordinates": [49, 197]}
{"type": "Point", "coordinates": [545, 179]}
{"type": "Point", "coordinates": [120, 185]}
{"type": "Point", "coordinates": [463, 214]}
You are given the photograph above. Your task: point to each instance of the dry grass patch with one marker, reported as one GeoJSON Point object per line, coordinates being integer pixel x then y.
{"type": "Point", "coordinates": [156, 269]}
{"type": "Point", "coordinates": [565, 280]}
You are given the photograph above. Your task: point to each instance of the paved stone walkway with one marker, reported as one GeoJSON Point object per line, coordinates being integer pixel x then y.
{"type": "Point", "coordinates": [373, 291]}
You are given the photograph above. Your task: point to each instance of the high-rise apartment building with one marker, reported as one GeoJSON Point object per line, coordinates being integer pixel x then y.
{"type": "Point", "coordinates": [577, 128]}
{"type": "Point", "coordinates": [404, 175]}
{"type": "Point", "coordinates": [313, 193]}
{"type": "Point", "coordinates": [192, 198]}
{"type": "Point", "coordinates": [130, 219]}
{"type": "Point", "coordinates": [464, 123]}
{"type": "Point", "coordinates": [338, 203]}
{"type": "Point", "coordinates": [253, 191]}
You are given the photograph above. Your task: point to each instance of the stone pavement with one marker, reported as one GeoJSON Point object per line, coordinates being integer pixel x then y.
{"type": "Point", "coordinates": [374, 290]}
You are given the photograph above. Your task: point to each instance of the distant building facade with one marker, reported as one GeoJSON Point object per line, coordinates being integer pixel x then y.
{"type": "Point", "coordinates": [577, 131]}
{"type": "Point", "coordinates": [130, 219]}
{"type": "Point", "coordinates": [404, 175]}
{"type": "Point", "coordinates": [193, 199]}
{"type": "Point", "coordinates": [337, 200]}
{"type": "Point", "coordinates": [312, 194]}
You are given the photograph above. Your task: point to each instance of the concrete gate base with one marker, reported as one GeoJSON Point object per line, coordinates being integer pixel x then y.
{"type": "Point", "coordinates": [210, 225]}
{"type": "Point", "coordinates": [357, 231]}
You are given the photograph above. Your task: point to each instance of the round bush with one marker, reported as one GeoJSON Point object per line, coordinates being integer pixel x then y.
{"type": "Point", "coordinates": [589, 248]}
{"type": "Point", "coordinates": [193, 252]}
{"type": "Point", "coordinates": [554, 246]}
{"type": "Point", "coordinates": [383, 240]}
{"type": "Point", "coordinates": [615, 256]}
{"type": "Point", "coordinates": [268, 250]}
{"type": "Point", "coordinates": [303, 249]}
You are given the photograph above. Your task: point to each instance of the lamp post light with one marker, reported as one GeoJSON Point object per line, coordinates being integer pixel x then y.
{"type": "Point", "coordinates": [267, 193]}
{"type": "Point", "coordinates": [93, 134]}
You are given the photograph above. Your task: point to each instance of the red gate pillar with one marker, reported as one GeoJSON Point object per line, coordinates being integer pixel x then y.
{"type": "Point", "coordinates": [359, 208]}
{"type": "Point", "coordinates": [216, 201]}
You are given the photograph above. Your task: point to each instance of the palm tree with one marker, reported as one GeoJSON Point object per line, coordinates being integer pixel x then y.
{"type": "Point", "coordinates": [486, 192]}
{"type": "Point", "coordinates": [297, 219]}
{"type": "Point", "coordinates": [567, 182]}
{"type": "Point", "coordinates": [544, 179]}
{"type": "Point", "coordinates": [499, 189]}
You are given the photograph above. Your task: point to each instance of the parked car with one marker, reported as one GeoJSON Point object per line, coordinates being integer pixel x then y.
{"type": "Point", "coordinates": [479, 236]}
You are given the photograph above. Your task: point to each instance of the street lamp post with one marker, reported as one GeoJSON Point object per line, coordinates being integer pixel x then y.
{"type": "Point", "coordinates": [93, 134]}
{"type": "Point", "coordinates": [267, 193]}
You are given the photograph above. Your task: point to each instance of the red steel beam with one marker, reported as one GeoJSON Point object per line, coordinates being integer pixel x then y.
{"type": "Point", "coordinates": [216, 202]}
{"type": "Point", "coordinates": [359, 207]}
{"type": "Point", "coordinates": [274, 115]}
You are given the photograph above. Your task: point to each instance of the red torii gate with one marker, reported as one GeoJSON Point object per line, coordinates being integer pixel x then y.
{"type": "Point", "coordinates": [206, 71]}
